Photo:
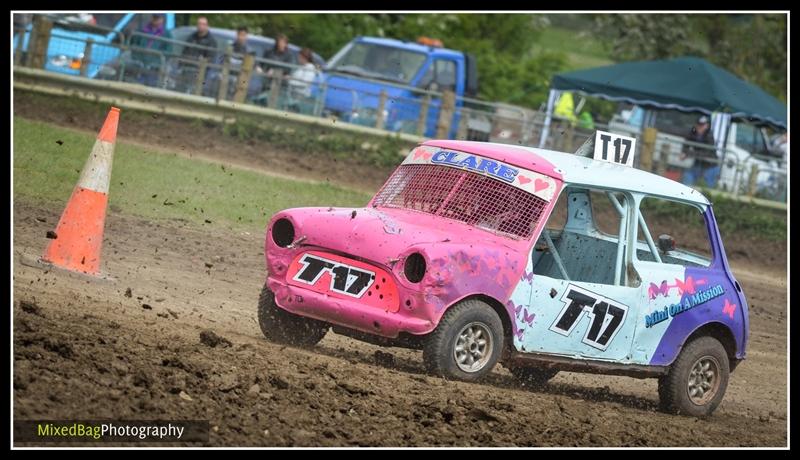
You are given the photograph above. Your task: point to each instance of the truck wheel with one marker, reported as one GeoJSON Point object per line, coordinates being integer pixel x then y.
{"type": "Point", "coordinates": [280, 326]}
{"type": "Point", "coordinates": [697, 380]}
{"type": "Point", "coordinates": [532, 377]}
{"type": "Point", "coordinates": [466, 344]}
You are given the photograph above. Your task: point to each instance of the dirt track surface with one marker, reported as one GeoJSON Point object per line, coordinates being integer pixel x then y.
{"type": "Point", "coordinates": [83, 349]}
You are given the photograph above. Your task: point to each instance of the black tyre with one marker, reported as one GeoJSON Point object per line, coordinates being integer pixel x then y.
{"type": "Point", "coordinates": [280, 326]}
{"type": "Point", "coordinates": [532, 377]}
{"type": "Point", "coordinates": [697, 380]}
{"type": "Point", "coordinates": [466, 344]}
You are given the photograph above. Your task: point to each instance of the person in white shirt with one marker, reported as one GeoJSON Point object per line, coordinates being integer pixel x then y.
{"type": "Point", "coordinates": [302, 77]}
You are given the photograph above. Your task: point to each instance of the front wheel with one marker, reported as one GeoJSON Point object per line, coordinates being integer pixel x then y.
{"type": "Point", "coordinates": [280, 326]}
{"type": "Point", "coordinates": [697, 380]}
{"type": "Point", "coordinates": [466, 344]}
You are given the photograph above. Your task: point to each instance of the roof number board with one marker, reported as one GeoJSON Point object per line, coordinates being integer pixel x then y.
{"type": "Point", "coordinates": [614, 148]}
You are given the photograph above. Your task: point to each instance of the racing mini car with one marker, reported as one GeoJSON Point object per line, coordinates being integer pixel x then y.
{"type": "Point", "coordinates": [479, 253]}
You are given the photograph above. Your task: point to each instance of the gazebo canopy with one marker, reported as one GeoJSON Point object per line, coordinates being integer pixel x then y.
{"type": "Point", "coordinates": [685, 83]}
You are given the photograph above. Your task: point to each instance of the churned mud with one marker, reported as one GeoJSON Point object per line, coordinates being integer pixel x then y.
{"type": "Point", "coordinates": [174, 336]}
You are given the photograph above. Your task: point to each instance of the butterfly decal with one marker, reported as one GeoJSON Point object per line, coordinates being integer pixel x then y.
{"type": "Point", "coordinates": [527, 276]}
{"type": "Point", "coordinates": [688, 286]}
{"type": "Point", "coordinates": [729, 308]}
{"type": "Point", "coordinates": [528, 319]}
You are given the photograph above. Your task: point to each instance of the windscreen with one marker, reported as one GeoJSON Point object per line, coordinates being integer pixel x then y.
{"type": "Point", "coordinates": [466, 196]}
{"type": "Point", "coordinates": [378, 61]}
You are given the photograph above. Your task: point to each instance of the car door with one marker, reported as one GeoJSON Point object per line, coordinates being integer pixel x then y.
{"type": "Point", "coordinates": [682, 288]}
{"type": "Point", "coordinates": [580, 303]}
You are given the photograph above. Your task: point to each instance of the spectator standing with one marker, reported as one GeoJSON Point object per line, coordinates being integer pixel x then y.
{"type": "Point", "coordinates": [780, 146]}
{"type": "Point", "coordinates": [151, 62]}
{"type": "Point", "coordinates": [240, 45]}
{"type": "Point", "coordinates": [240, 49]}
{"type": "Point", "coordinates": [206, 47]}
{"type": "Point", "coordinates": [565, 108]}
{"type": "Point", "coordinates": [303, 76]}
{"type": "Point", "coordinates": [706, 165]}
{"type": "Point", "coordinates": [202, 38]}
{"type": "Point", "coordinates": [279, 53]}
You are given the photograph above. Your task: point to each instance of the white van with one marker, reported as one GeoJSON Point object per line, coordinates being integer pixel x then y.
{"type": "Point", "coordinates": [747, 146]}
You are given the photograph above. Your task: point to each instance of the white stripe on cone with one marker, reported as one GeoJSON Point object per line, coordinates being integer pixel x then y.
{"type": "Point", "coordinates": [96, 174]}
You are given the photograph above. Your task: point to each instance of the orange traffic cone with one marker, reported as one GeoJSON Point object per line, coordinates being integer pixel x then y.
{"type": "Point", "coordinates": [79, 234]}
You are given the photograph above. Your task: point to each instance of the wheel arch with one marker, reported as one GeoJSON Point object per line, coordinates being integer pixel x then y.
{"type": "Point", "coordinates": [500, 309]}
{"type": "Point", "coordinates": [722, 333]}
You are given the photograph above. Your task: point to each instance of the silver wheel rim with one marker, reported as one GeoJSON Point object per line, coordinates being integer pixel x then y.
{"type": "Point", "coordinates": [473, 347]}
{"type": "Point", "coordinates": [703, 380]}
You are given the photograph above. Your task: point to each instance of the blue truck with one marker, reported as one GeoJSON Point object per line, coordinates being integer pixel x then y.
{"type": "Point", "coordinates": [71, 31]}
{"type": "Point", "coordinates": [356, 75]}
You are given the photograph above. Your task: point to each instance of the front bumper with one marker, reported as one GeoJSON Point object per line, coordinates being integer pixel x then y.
{"type": "Point", "coordinates": [344, 312]}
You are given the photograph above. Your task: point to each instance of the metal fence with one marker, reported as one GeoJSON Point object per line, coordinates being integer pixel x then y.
{"type": "Point", "coordinates": [224, 75]}
{"type": "Point", "coordinates": [189, 68]}
{"type": "Point", "coordinates": [732, 170]}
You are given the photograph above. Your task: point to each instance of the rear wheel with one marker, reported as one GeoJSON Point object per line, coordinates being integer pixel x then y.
{"type": "Point", "coordinates": [280, 326]}
{"type": "Point", "coordinates": [466, 344]}
{"type": "Point", "coordinates": [697, 380]}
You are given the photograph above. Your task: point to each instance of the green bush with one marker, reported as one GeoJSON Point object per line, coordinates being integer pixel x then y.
{"type": "Point", "coordinates": [732, 216]}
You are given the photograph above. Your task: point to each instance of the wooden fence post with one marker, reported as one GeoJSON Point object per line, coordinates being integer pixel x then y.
{"type": "Point", "coordinates": [663, 155]}
{"type": "Point", "coordinates": [753, 184]}
{"type": "Point", "coordinates": [422, 121]}
{"type": "Point", "coordinates": [201, 76]}
{"type": "Point", "coordinates": [275, 87]}
{"type": "Point", "coordinates": [379, 118]}
{"type": "Point", "coordinates": [445, 114]}
{"type": "Point", "coordinates": [569, 139]}
{"type": "Point", "coordinates": [243, 82]}
{"type": "Point", "coordinates": [648, 149]}
{"type": "Point", "coordinates": [222, 94]}
{"type": "Point", "coordinates": [463, 121]}
{"type": "Point", "coordinates": [87, 57]}
{"type": "Point", "coordinates": [39, 42]}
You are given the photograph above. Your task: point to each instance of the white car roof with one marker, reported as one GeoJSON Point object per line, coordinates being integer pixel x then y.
{"type": "Point", "coordinates": [579, 170]}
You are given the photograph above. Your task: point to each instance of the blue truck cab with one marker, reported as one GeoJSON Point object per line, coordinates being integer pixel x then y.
{"type": "Point", "coordinates": [356, 75]}
{"type": "Point", "coordinates": [71, 31]}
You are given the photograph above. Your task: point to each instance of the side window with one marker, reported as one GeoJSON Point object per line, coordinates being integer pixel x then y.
{"type": "Point", "coordinates": [445, 74]}
{"type": "Point", "coordinates": [750, 138]}
{"type": "Point", "coordinates": [441, 72]}
{"type": "Point", "coordinates": [760, 147]}
{"type": "Point", "coordinates": [362, 55]}
{"type": "Point", "coordinates": [581, 240]}
{"type": "Point", "coordinates": [427, 78]}
{"type": "Point", "coordinates": [744, 136]}
{"type": "Point", "coordinates": [670, 223]}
